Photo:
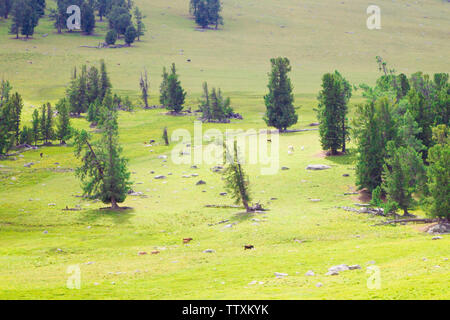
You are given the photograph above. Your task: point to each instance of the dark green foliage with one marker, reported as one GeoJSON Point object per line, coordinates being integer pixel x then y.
{"type": "Point", "coordinates": [373, 128]}
{"type": "Point", "coordinates": [7, 132]}
{"type": "Point", "coordinates": [163, 93]}
{"type": "Point", "coordinates": [63, 128]}
{"type": "Point", "coordinates": [130, 35]}
{"type": "Point", "coordinates": [119, 19]}
{"type": "Point", "coordinates": [103, 173]}
{"type": "Point", "coordinates": [403, 174]}
{"type": "Point", "coordinates": [46, 126]}
{"type": "Point", "coordinates": [175, 93]}
{"type": "Point", "coordinates": [332, 112]}
{"type": "Point", "coordinates": [25, 17]}
{"type": "Point", "coordinates": [87, 18]}
{"type": "Point", "coordinates": [111, 37]}
{"type": "Point", "coordinates": [213, 106]}
{"type": "Point", "coordinates": [376, 197]}
{"type": "Point", "coordinates": [143, 84]}
{"type": "Point", "coordinates": [92, 85]}
{"type": "Point", "coordinates": [59, 15]}
{"type": "Point", "coordinates": [5, 8]}
{"type": "Point", "coordinates": [206, 12]}
{"type": "Point", "coordinates": [439, 173]}
{"type": "Point", "coordinates": [35, 126]}
{"type": "Point", "coordinates": [15, 108]}
{"type": "Point", "coordinates": [140, 26]}
{"type": "Point", "coordinates": [236, 181]}
{"type": "Point", "coordinates": [26, 136]}
{"type": "Point", "coordinates": [105, 83]}
{"type": "Point", "coordinates": [279, 101]}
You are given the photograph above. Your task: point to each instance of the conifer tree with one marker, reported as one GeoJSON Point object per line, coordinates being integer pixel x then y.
{"type": "Point", "coordinates": [87, 18]}
{"type": "Point", "coordinates": [163, 93]}
{"type": "Point", "coordinates": [35, 126]}
{"type": "Point", "coordinates": [279, 101]}
{"type": "Point", "coordinates": [373, 128]}
{"type": "Point", "coordinates": [236, 181]}
{"type": "Point", "coordinates": [92, 85]}
{"type": "Point", "coordinates": [105, 83]}
{"type": "Point", "coordinates": [175, 93]}
{"type": "Point", "coordinates": [143, 83]}
{"type": "Point", "coordinates": [403, 174]}
{"type": "Point", "coordinates": [103, 173]}
{"type": "Point", "coordinates": [140, 26]}
{"type": "Point", "coordinates": [439, 173]}
{"type": "Point", "coordinates": [16, 105]}
{"type": "Point", "coordinates": [63, 128]}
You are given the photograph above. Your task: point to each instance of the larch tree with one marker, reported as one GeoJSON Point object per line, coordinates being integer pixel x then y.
{"type": "Point", "coordinates": [144, 85]}
{"type": "Point", "coordinates": [236, 181]}
{"type": "Point", "coordinates": [103, 172]}
{"type": "Point", "coordinates": [279, 101]}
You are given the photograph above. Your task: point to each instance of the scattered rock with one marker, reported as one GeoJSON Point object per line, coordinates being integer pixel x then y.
{"type": "Point", "coordinates": [310, 273]}
{"type": "Point", "coordinates": [284, 168]}
{"type": "Point", "coordinates": [200, 182]}
{"type": "Point", "coordinates": [45, 232]}
{"type": "Point", "coordinates": [209, 251]}
{"type": "Point", "coordinates": [315, 200]}
{"type": "Point", "coordinates": [223, 193]}
{"type": "Point", "coordinates": [354, 267]}
{"type": "Point", "coordinates": [160, 177]}
{"type": "Point", "coordinates": [436, 238]}
{"type": "Point", "coordinates": [439, 228]}
{"type": "Point", "coordinates": [346, 175]}
{"type": "Point", "coordinates": [29, 164]}
{"type": "Point", "coordinates": [280, 275]}
{"type": "Point", "coordinates": [317, 167]}
{"type": "Point", "coordinates": [318, 285]}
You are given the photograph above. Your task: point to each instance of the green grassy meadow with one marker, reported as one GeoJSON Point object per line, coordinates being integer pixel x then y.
{"type": "Point", "coordinates": [317, 37]}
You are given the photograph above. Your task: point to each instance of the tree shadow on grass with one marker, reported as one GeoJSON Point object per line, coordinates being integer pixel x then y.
{"type": "Point", "coordinates": [107, 215]}
{"type": "Point", "coordinates": [349, 158]}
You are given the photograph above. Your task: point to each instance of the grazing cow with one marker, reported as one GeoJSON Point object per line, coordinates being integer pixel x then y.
{"type": "Point", "coordinates": [187, 240]}
{"type": "Point", "coordinates": [155, 252]}
{"type": "Point", "coordinates": [42, 154]}
{"type": "Point", "coordinates": [248, 247]}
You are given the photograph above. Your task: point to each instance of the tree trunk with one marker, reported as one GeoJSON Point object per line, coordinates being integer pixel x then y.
{"type": "Point", "coordinates": [333, 152]}
{"type": "Point", "coordinates": [343, 136]}
{"type": "Point", "coordinates": [405, 212]}
{"type": "Point", "coordinates": [247, 207]}
{"type": "Point", "coordinates": [114, 204]}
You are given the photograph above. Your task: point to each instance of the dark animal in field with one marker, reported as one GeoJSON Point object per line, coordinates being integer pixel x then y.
{"type": "Point", "coordinates": [155, 252]}
{"type": "Point", "coordinates": [248, 247]}
{"type": "Point", "coordinates": [187, 240]}
{"type": "Point", "coordinates": [152, 141]}
{"type": "Point", "coordinates": [42, 154]}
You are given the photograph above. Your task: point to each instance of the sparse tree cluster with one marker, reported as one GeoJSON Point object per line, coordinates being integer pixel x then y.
{"type": "Point", "coordinates": [172, 95]}
{"type": "Point", "coordinates": [42, 128]}
{"type": "Point", "coordinates": [24, 15]}
{"type": "Point", "coordinates": [206, 12]}
{"type": "Point", "coordinates": [214, 107]}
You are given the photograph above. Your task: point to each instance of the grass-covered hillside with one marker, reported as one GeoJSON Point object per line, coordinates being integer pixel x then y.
{"type": "Point", "coordinates": [39, 240]}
